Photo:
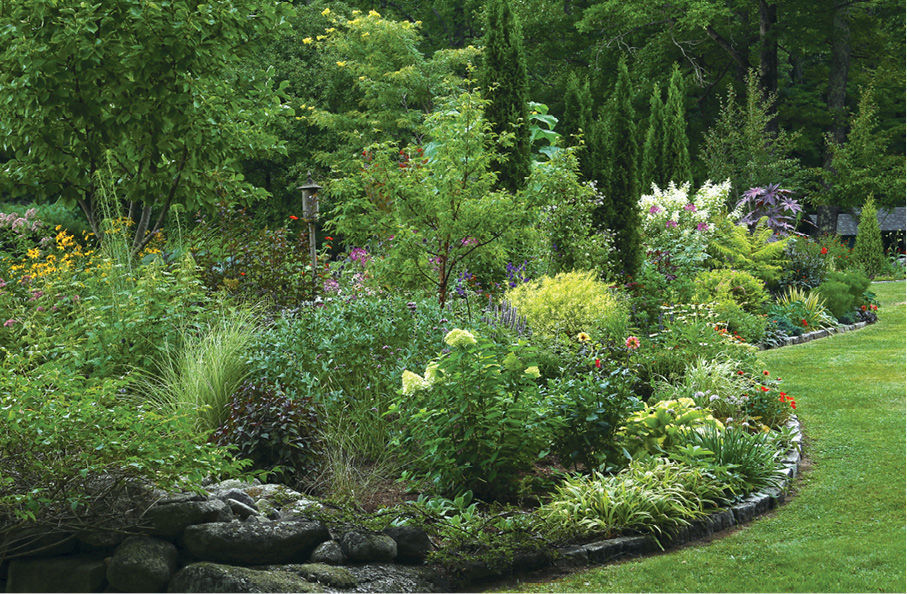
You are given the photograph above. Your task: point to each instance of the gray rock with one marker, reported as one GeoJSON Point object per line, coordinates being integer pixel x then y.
{"type": "Point", "coordinates": [92, 542]}
{"type": "Point", "coordinates": [364, 547]}
{"type": "Point", "coordinates": [278, 495]}
{"type": "Point", "coordinates": [211, 577]}
{"type": "Point", "coordinates": [744, 512]}
{"type": "Point", "coordinates": [413, 544]}
{"type": "Point", "coordinates": [77, 573]}
{"type": "Point", "coordinates": [236, 495]}
{"type": "Point", "coordinates": [240, 509]}
{"type": "Point", "coordinates": [398, 578]}
{"type": "Point", "coordinates": [163, 498]}
{"type": "Point", "coordinates": [574, 556]}
{"type": "Point", "coordinates": [334, 577]}
{"type": "Point", "coordinates": [142, 564]}
{"type": "Point", "coordinates": [299, 509]}
{"type": "Point", "coordinates": [255, 543]}
{"type": "Point", "coordinates": [604, 550]}
{"type": "Point", "coordinates": [171, 519]}
{"type": "Point", "coordinates": [231, 484]}
{"type": "Point", "coordinates": [328, 552]}
{"type": "Point", "coordinates": [257, 519]}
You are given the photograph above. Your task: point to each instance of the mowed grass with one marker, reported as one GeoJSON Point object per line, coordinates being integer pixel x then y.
{"type": "Point", "coordinates": [844, 529]}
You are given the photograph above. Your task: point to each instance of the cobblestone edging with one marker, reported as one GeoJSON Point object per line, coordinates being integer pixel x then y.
{"type": "Point", "coordinates": [604, 551]}
{"type": "Point", "coordinates": [816, 334]}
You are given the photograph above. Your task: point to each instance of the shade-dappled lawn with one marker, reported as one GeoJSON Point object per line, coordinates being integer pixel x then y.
{"type": "Point", "coordinates": [844, 530]}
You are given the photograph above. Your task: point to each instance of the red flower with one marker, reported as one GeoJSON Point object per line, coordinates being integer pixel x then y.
{"type": "Point", "coordinates": [874, 307]}
{"type": "Point", "coordinates": [294, 218]}
{"type": "Point", "coordinates": [824, 250]}
{"type": "Point", "coordinates": [739, 373]}
{"type": "Point", "coordinates": [765, 372]}
{"type": "Point", "coordinates": [793, 406]}
{"type": "Point", "coordinates": [598, 363]}
{"type": "Point", "coordinates": [763, 388]}
{"type": "Point", "coordinates": [863, 307]}
{"type": "Point", "coordinates": [329, 238]}
{"type": "Point", "coordinates": [805, 323]}
{"type": "Point", "coordinates": [783, 394]}
{"type": "Point", "coordinates": [242, 274]}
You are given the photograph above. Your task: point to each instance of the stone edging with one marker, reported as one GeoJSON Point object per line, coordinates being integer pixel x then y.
{"type": "Point", "coordinates": [816, 334]}
{"type": "Point", "coordinates": [604, 551]}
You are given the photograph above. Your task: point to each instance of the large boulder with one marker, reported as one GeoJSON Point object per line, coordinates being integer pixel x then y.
{"type": "Point", "coordinates": [398, 578]}
{"type": "Point", "coordinates": [169, 520]}
{"type": "Point", "coordinates": [363, 547]}
{"type": "Point", "coordinates": [327, 575]}
{"type": "Point", "coordinates": [255, 543]}
{"type": "Point", "coordinates": [236, 495]}
{"type": "Point", "coordinates": [328, 552]}
{"type": "Point", "coordinates": [413, 544]}
{"type": "Point", "coordinates": [76, 573]}
{"type": "Point", "coordinates": [211, 577]}
{"type": "Point", "coordinates": [142, 564]}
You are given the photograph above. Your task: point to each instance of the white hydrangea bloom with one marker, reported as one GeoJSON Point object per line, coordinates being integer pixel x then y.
{"type": "Point", "coordinates": [413, 383]}
{"type": "Point", "coordinates": [458, 337]}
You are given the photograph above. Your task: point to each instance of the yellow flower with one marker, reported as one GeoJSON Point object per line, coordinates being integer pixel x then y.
{"type": "Point", "coordinates": [330, 30]}
{"type": "Point", "coordinates": [311, 108]}
{"type": "Point", "coordinates": [326, 12]}
{"type": "Point", "coordinates": [355, 12]}
{"type": "Point", "coordinates": [361, 78]}
{"type": "Point", "coordinates": [34, 253]}
{"type": "Point", "coordinates": [366, 34]}
{"type": "Point", "coordinates": [533, 372]}
{"type": "Point", "coordinates": [374, 13]}
{"type": "Point", "coordinates": [320, 37]}
{"type": "Point", "coordinates": [307, 40]}
{"type": "Point", "coordinates": [583, 337]}
{"type": "Point", "coordinates": [341, 64]}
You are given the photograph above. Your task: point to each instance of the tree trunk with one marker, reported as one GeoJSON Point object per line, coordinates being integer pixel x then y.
{"type": "Point", "coordinates": [768, 53]}
{"type": "Point", "coordinates": [837, 96]}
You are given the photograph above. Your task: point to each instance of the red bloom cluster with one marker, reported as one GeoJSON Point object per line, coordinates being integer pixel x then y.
{"type": "Point", "coordinates": [790, 399]}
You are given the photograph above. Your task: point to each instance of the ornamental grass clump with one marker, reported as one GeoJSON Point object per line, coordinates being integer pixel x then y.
{"type": "Point", "coordinates": [569, 303]}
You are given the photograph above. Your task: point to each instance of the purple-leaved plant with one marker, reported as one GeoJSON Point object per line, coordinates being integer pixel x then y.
{"type": "Point", "coordinates": [773, 202]}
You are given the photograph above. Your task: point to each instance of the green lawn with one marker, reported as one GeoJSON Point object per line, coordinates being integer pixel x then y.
{"type": "Point", "coordinates": [844, 530]}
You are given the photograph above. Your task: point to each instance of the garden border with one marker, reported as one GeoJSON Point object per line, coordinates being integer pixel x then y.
{"type": "Point", "coordinates": [605, 551]}
{"type": "Point", "coordinates": [816, 334]}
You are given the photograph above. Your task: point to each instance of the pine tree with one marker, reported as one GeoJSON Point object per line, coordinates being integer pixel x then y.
{"type": "Point", "coordinates": [675, 148]}
{"type": "Point", "coordinates": [619, 213]}
{"type": "Point", "coordinates": [650, 169]}
{"type": "Point", "coordinates": [505, 82]}
{"type": "Point", "coordinates": [868, 252]}
{"type": "Point", "coordinates": [578, 118]}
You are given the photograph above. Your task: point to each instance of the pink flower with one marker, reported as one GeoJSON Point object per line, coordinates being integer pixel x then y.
{"type": "Point", "coordinates": [9, 322]}
{"type": "Point", "coordinates": [632, 343]}
{"type": "Point", "coordinates": [654, 210]}
{"type": "Point", "coordinates": [690, 207]}
{"type": "Point", "coordinates": [671, 225]}
{"type": "Point", "coordinates": [702, 227]}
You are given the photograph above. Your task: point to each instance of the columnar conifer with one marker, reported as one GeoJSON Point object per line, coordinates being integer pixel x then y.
{"type": "Point", "coordinates": [505, 83]}
{"type": "Point", "coordinates": [675, 154]}
{"type": "Point", "coordinates": [650, 170]}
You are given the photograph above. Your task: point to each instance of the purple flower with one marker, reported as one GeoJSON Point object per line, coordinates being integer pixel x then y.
{"type": "Point", "coordinates": [654, 210]}
{"type": "Point", "coordinates": [9, 322]}
{"type": "Point", "coordinates": [331, 286]}
{"type": "Point", "coordinates": [671, 225]}
{"type": "Point", "coordinates": [702, 227]}
{"type": "Point", "coordinates": [690, 207]}
{"type": "Point", "coordinates": [359, 255]}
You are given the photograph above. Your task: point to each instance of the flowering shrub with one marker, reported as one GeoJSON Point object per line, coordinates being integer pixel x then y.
{"type": "Point", "coordinates": [678, 224]}
{"type": "Point", "coordinates": [472, 420]}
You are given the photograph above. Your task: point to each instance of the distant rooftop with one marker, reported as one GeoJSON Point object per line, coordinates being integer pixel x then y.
{"type": "Point", "coordinates": [893, 219]}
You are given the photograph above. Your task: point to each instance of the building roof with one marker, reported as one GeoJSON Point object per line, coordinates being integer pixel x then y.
{"type": "Point", "coordinates": [893, 219]}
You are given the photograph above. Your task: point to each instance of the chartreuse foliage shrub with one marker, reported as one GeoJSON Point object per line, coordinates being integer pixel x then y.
{"type": "Point", "coordinates": [569, 303]}
{"type": "Point", "coordinates": [71, 449]}
{"type": "Point", "coordinates": [750, 327]}
{"type": "Point", "coordinates": [737, 286]}
{"type": "Point", "coordinates": [473, 421]}
{"type": "Point", "coordinates": [754, 250]}
{"type": "Point", "coordinates": [650, 495]}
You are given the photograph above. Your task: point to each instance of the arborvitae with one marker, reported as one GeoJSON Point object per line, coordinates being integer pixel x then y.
{"type": "Point", "coordinates": [649, 170]}
{"type": "Point", "coordinates": [621, 190]}
{"type": "Point", "coordinates": [675, 149]}
{"type": "Point", "coordinates": [505, 83]}
{"type": "Point", "coordinates": [578, 118]}
{"type": "Point", "coordinates": [868, 252]}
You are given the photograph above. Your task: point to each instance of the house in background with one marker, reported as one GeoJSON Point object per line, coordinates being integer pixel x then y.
{"type": "Point", "coordinates": [892, 223]}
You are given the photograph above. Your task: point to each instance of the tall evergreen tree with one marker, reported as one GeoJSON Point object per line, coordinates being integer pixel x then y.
{"type": "Point", "coordinates": [505, 82]}
{"type": "Point", "coordinates": [868, 253]}
{"type": "Point", "coordinates": [675, 148]}
{"type": "Point", "coordinates": [650, 167]}
{"type": "Point", "coordinates": [578, 118]}
{"type": "Point", "coordinates": [621, 190]}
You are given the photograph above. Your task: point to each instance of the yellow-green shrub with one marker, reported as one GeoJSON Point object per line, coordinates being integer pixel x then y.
{"type": "Point", "coordinates": [570, 303]}
{"type": "Point", "coordinates": [738, 286]}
